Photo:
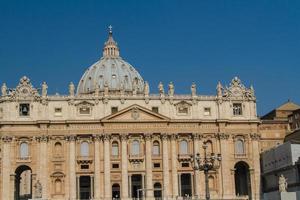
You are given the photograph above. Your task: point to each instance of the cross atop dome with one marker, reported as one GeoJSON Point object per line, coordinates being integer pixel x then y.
{"type": "Point", "coordinates": [110, 46]}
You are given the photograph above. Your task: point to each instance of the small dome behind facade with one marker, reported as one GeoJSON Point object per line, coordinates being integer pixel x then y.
{"type": "Point", "coordinates": [111, 71]}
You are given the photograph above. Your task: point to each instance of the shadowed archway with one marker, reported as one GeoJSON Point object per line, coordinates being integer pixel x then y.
{"type": "Point", "coordinates": [242, 179]}
{"type": "Point", "coordinates": [23, 183]}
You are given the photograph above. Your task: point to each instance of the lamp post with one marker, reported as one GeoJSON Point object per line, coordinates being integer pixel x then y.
{"type": "Point", "coordinates": [206, 164]}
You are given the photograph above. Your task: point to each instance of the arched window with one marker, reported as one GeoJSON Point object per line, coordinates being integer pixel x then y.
{"type": "Point", "coordinates": [58, 186]}
{"type": "Point", "coordinates": [135, 150]}
{"type": "Point", "coordinates": [24, 152]}
{"type": "Point", "coordinates": [58, 149]}
{"type": "Point", "coordinates": [84, 149]}
{"type": "Point", "coordinates": [239, 147]}
{"type": "Point", "coordinates": [183, 147]}
{"type": "Point", "coordinates": [156, 148]}
{"type": "Point", "coordinates": [115, 149]}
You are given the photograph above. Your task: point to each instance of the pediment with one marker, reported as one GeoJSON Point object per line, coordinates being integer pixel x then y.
{"type": "Point", "coordinates": [135, 113]}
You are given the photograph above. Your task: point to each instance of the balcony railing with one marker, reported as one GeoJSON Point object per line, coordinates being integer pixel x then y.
{"type": "Point", "coordinates": [24, 159]}
{"type": "Point", "coordinates": [240, 155]}
{"type": "Point", "coordinates": [136, 158]}
{"type": "Point", "coordinates": [184, 157]}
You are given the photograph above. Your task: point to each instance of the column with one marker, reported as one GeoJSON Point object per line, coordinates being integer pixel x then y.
{"type": "Point", "coordinates": [256, 166]}
{"type": "Point", "coordinates": [196, 138]}
{"type": "Point", "coordinates": [130, 190]}
{"type": "Point", "coordinates": [97, 139]}
{"type": "Point", "coordinates": [72, 167]}
{"type": "Point", "coordinates": [225, 166]}
{"type": "Point", "coordinates": [78, 186]}
{"type": "Point", "coordinates": [149, 184]}
{"type": "Point", "coordinates": [43, 176]}
{"type": "Point", "coordinates": [107, 182]}
{"type": "Point", "coordinates": [165, 166]}
{"type": "Point", "coordinates": [6, 167]}
{"type": "Point", "coordinates": [124, 165]}
{"type": "Point", "coordinates": [174, 166]}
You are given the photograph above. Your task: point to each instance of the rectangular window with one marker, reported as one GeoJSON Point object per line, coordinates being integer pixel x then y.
{"type": "Point", "coordinates": [84, 166]}
{"type": "Point", "coordinates": [185, 164]}
{"type": "Point", "coordinates": [24, 109]}
{"type": "Point", "coordinates": [85, 110]}
{"type": "Point", "coordinates": [156, 165]}
{"type": "Point", "coordinates": [115, 166]}
{"type": "Point", "coordinates": [207, 111]}
{"type": "Point", "coordinates": [114, 110]}
{"type": "Point", "coordinates": [237, 109]}
{"type": "Point", "coordinates": [155, 109]}
{"type": "Point", "coordinates": [58, 111]}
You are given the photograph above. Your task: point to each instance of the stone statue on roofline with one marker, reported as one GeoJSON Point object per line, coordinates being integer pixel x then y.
{"type": "Point", "coordinates": [171, 89]}
{"type": "Point", "coordinates": [72, 89]}
{"type": "Point", "coordinates": [4, 89]}
{"type": "Point", "coordinates": [146, 89]}
{"type": "Point", "coordinates": [161, 89]}
{"type": "Point", "coordinates": [194, 89]}
{"type": "Point", "coordinates": [44, 89]}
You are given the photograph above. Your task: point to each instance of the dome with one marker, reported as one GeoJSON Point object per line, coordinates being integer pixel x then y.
{"type": "Point", "coordinates": [111, 71]}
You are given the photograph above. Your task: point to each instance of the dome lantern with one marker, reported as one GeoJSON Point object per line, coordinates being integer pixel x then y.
{"type": "Point", "coordinates": [110, 46]}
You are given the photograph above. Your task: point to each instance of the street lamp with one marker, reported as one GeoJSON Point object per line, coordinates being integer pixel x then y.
{"type": "Point", "coordinates": [207, 163]}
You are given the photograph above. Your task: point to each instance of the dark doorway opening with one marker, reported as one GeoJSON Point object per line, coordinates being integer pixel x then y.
{"type": "Point", "coordinates": [242, 179]}
{"type": "Point", "coordinates": [136, 185]}
{"type": "Point", "coordinates": [85, 187]}
{"type": "Point", "coordinates": [23, 183]}
{"type": "Point", "coordinates": [116, 191]}
{"type": "Point", "coordinates": [186, 185]}
{"type": "Point", "coordinates": [157, 191]}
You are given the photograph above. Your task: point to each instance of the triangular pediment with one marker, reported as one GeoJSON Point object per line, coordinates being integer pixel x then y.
{"type": "Point", "coordinates": [135, 113]}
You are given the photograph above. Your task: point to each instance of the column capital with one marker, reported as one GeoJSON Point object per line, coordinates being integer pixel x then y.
{"type": "Point", "coordinates": [106, 137]}
{"type": "Point", "coordinates": [6, 138]}
{"type": "Point", "coordinates": [97, 137]}
{"type": "Point", "coordinates": [197, 136]}
{"type": "Point", "coordinates": [164, 136]}
{"type": "Point", "coordinates": [222, 136]}
{"type": "Point", "coordinates": [43, 138]}
{"type": "Point", "coordinates": [123, 137]}
{"type": "Point", "coordinates": [148, 136]}
{"type": "Point", "coordinates": [71, 138]}
{"type": "Point", "coordinates": [255, 136]}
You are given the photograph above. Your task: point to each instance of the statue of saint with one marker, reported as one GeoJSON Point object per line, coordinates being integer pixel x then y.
{"type": "Point", "coordinates": [193, 90]}
{"type": "Point", "coordinates": [38, 190]}
{"type": "Point", "coordinates": [122, 89]}
{"type": "Point", "coordinates": [146, 89]}
{"type": "Point", "coordinates": [282, 183]}
{"type": "Point", "coordinates": [4, 89]}
{"type": "Point", "coordinates": [134, 87]}
{"type": "Point", "coordinates": [44, 89]}
{"type": "Point", "coordinates": [219, 89]}
{"type": "Point", "coordinates": [72, 89]}
{"type": "Point", "coordinates": [171, 89]}
{"type": "Point", "coordinates": [97, 89]}
{"type": "Point", "coordinates": [161, 89]}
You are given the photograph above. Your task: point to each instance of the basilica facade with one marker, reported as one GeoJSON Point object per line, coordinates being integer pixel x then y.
{"type": "Point", "coordinates": [112, 138]}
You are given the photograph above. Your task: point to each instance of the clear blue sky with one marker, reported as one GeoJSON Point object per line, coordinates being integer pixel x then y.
{"type": "Point", "coordinates": [179, 41]}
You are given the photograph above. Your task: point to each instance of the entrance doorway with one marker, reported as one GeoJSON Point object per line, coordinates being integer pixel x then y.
{"type": "Point", "coordinates": [23, 183]}
{"type": "Point", "coordinates": [136, 185]}
{"type": "Point", "coordinates": [242, 179]}
{"type": "Point", "coordinates": [186, 185]}
{"type": "Point", "coordinates": [116, 191]}
{"type": "Point", "coordinates": [85, 187]}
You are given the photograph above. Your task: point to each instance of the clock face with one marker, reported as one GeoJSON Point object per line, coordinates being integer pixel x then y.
{"type": "Point", "coordinates": [25, 91]}
{"type": "Point", "coordinates": [236, 92]}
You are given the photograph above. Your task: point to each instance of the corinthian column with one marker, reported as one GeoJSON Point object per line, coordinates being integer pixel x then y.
{"type": "Point", "coordinates": [124, 167]}
{"type": "Point", "coordinates": [6, 167]}
{"type": "Point", "coordinates": [149, 184]}
{"type": "Point", "coordinates": [256, 166]}
{"type": "Point", "coordinates": [43, 140]}
{"type": "Point", "coordinates": [165, 166]}
{"type": "Point", "coordinates": [174, 166]}
{"type": "Point", "coordinates": [97, 139]}
{"type": "Point", "coordinates": [225, 166]}
{"type": "Point", "coordinates": [196, 138]}
{"type": "Point", "coordinates": [107, 183]}
{"type": "Point", "coordinates": [72, 167]}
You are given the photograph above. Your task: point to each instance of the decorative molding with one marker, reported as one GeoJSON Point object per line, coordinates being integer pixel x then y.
{"type": "Point", "coordinates": [164, 136]}
{"type": "Point", "coordinates": [71, 138]}
{"type": "Point", "coordinates": [6, 138]}
{"type": "Point", "coordinates": [148, 136]}
{"type": "Point", "coordinates": [255, 136]}
{"type": "Point", "coordinates": [43, 138]}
